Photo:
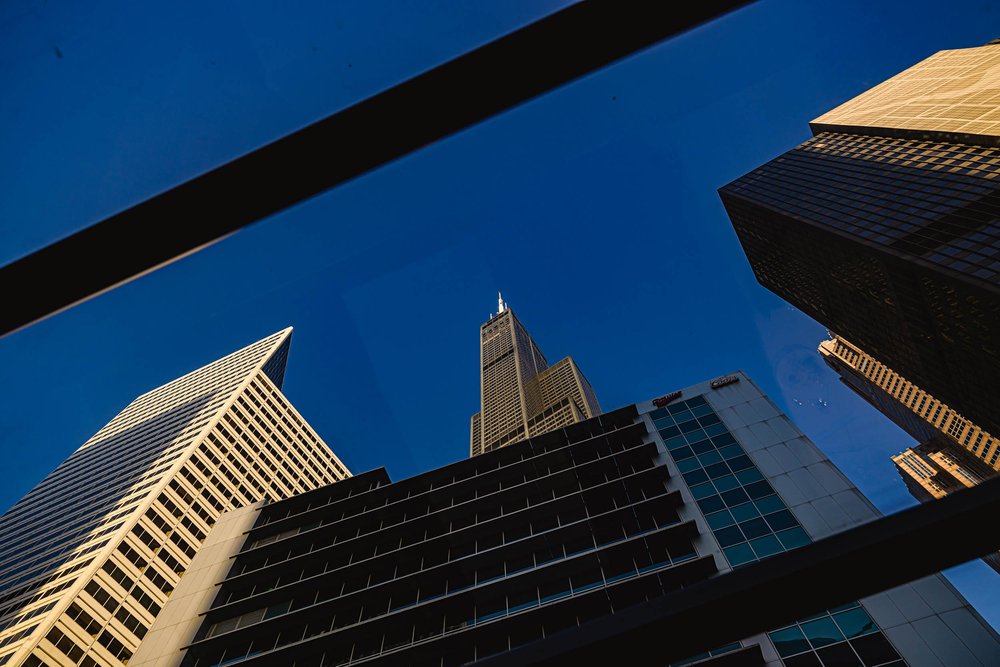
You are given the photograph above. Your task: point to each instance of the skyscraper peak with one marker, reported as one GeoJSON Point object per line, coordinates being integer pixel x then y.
{"type": "Point", "coordinates": [520, 394]}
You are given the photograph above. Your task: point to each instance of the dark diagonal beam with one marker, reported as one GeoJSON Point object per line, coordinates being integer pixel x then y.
{"type": "Point", "coordinates": [767, 595]}
{"type": "Point", "coordinates": [440, 102]}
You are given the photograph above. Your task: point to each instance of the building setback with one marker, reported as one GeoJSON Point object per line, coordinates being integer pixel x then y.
{"type": "Point", "coordinates": [90, 555]}
{"type": "Point", "coordinates": [953, 453]}
{"type": "Point", "coordinates": [514, 545]}
{"type": "Point", "coordinates": [884, 226]}
{"type": "Point", "coordinates": [521, 395]}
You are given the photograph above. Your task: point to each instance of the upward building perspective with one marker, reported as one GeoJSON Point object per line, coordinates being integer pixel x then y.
{"type": "Point", "coordinates": [953, 453]}
{"type": "Point", "coordinates": [90, 555]}
{"type": "Point", "coordinates": [884, 227]}
{"type": "Point", "coordinates": [521, 395]}
{"type": "Point", "coordinates": [531, 546]}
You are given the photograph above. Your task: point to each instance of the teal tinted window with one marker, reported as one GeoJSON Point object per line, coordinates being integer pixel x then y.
{"type": "Point", "coordinates": [789, 641]}
{"type": "Point", "coordinates": [682, 453]}
{"type": "Point", "coordinates": [702, 447]}
{"type": "Point", "coordinates": [755, 528]}
{"type": "Point", "coordinates": [688, 465]}
{"type": "Point", "coordinates": [715, 429]}
{"type": "Point", "coordinates": [766, 546]}
{"type": "Point", "coordinates": [749, 476]}
{"type": "Point", "coordinates": [702, 411]}
{"type": "Point", "coordinates": [708, 420]}
{"type": "Point", "coordinates": [730, 451]}
{"type": "Point", "coordinates": [696, 436]}
{"type": "Point", "coordinates": [729, 536]}
{"type": "Point", "coordinates": [720, 519]}
{"type": "Point", "coordinates": [855, 623]}
{"type": "Point", "coordinates": [739, 554]}
{"type": "Point", "coordinates": [708, 458]}
{"type": "Point", "coordinates": [724, 439]}
{"type": "Point", "coordinates": [676, 442]}
{"type": "Point", "coordinates": [769, 504]}
{"type": "Point", "coordinates": [696, 477]}
{"type": "Point", "coordinates": [781, 520]}
{"type": "Point", "coordinates": [667, 431]}
{"type": "Point", "coordinates": [711, 504]}
{"type": "Point", "coordinates": [794, 537]}
{"type": "Point", "coordinates": [822, 632]}
{"type": "Point", "coordinates": [735, 497]}
{"type": "Point", "coordinates": [702, 490]}
{"type": "Point", "coordinates": [744, 512]}
{"type": "Point", "coordinates": [726, 483]}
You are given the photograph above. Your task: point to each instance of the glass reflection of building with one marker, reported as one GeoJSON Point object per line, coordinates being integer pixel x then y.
{"type": "Point", "coordinates": [884, 226]}
{"type": "Point", "coordinates": [92, 553]}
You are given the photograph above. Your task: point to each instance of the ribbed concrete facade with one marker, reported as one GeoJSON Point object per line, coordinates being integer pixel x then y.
{"type": "Point", "coordinates": [89, 556]}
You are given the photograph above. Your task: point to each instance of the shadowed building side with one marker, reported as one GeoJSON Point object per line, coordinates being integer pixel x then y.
{"type": "Point", "coordinates": [885, 226]}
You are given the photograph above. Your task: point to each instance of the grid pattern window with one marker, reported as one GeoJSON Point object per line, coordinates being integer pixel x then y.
{"type": "Point", "coordinates": [521, 395]}
{"type": "Point", "coordinates": [894, 243]}
{"type": "Point", "coordinates": [926, 419]}
{"type": "Point", "coordinates": [846, 635]}
{"type": "Point", "coordinates": [128, 511]}
{"type": "Point", "coordinates": [953, 93]}
{"type": "Point", "coordinates": [748, 518]}
{"type": "Point", "coordinates": [463, 562]}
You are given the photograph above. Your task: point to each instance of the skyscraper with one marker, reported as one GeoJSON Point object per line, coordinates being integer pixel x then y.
{"type": "Point", "coordinates": [89, 556]}
{"type": "Point", "coordinates": [884, 226]}
{"type": "Point", "coordinates": [521, 395]}
{"type": "Point", "coordinates": [507, 550]}
{"type": "Point", "coordinates": [953, 453]}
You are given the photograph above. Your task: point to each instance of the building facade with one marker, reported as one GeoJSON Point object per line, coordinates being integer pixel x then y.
{"type": "Point", "coordinates": [90, 555]}
{"type": "Point", "coordinates": [509, 547]}
{"type": "Point", "coordinates": [953, 453]}
{"type": "Point", "coordinates": [923, 417]}
{"type": "Point", "coordinates": [520, 394]}
{"type": "Point", "coordinates": [884, 228]}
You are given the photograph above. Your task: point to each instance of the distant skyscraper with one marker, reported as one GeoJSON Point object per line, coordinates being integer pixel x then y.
{"type": "Point", "coordinates": [89, 556]}
{"type": "Point", "coordinates": [953, 454]}
{"type": "Point", "coordinates": [521, 395]}
{"type": "Point", "coordinates": [507, 549]}
{"type": "Point", "coordinates": [885, 226]}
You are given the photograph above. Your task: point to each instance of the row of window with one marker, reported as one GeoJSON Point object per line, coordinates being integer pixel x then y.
{"type": "Point", "coordinates": [536, 545]}
{"type": "Point", "coordinates": [430, 525]}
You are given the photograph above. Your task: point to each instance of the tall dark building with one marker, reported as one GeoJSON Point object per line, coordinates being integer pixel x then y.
{"type": "Point", "coordinates": [885, 226]}
{"type": "Point", "coordinates": [564, 529]}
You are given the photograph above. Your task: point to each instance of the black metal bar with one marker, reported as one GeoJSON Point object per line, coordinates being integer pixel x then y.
{"type": "Point", "coordinates": [440, 102]}
{"type": "Point", "coordinates": [764, 596]}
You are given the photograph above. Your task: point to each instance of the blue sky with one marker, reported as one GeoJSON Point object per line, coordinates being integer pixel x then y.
{"type": "Point", "coordinates": [594, 209]}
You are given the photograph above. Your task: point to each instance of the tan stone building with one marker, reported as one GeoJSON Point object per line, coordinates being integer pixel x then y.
{"type": "Point", "coordinates": [953, 453]}
{"type": "Point", "coordinates": [90, 555]}
{"type": "Point", "coordinates": [521, 395]}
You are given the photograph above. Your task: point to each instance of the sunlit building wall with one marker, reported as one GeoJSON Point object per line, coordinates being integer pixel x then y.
{"type": "Point", "coordinates": [953, 454]}
{"type": "Point", "coordinates": [520, 394]}
{"type": "Point", "coordinates": [91, 554]}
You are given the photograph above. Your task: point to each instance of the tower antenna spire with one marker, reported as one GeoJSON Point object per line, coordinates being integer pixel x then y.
{"type": "Point", "coordinates": [501, 306]}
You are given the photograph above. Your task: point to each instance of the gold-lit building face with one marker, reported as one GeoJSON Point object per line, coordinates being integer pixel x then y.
{"type": "Point", "coordinates": [914, 410]}
{"type": "Point", "coordinates": [90, 555]}
{"type": "Point", "coordinates": [953, 95]}
{"type": "Point", "coordinates": [521, 394]}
